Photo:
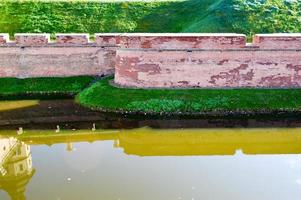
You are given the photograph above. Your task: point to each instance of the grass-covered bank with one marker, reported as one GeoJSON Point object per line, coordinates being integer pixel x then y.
{"type": "Point", "coordinates": [42, 88]}
{"type": "Point", "coordinates": [241, 16]}
{"type": "Point", "coordinates": [103, 96]}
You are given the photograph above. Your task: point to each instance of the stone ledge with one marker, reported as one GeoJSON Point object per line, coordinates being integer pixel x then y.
{"type": "Point", "coordinates": [72, 39]}
{"type": "Point", "coordinates": [161, 41]}
{"type": "Point", "coordinates": [32, 39]}
{"type": "Point", "coordinates": [280, 40]}
{"type": "Point", "coordinates": [4, 38]}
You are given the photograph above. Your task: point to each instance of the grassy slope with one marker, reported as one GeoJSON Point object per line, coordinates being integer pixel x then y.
{"type": "Point", "coordinates": [12, 87]}
{"type": "Point", "coordinates": [93, 17]}
{"type": "Point", "coordinates": [243, 16]}
{"type": "Point", "coordinates": [66, 17]}
{"type": "Point", "coordinates": [104, 96]}
{"type": "Point", "coordinates": [189, 16]}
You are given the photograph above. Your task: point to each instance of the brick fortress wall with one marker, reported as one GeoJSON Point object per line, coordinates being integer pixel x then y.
{"type": "Point", "coordinates": [148, 60]}
{"type": "Point", "coordinates": [209, 61]}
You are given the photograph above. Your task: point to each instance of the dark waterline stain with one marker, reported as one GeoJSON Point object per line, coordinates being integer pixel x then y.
{"type": "Point", "coordinates": [68, 115]}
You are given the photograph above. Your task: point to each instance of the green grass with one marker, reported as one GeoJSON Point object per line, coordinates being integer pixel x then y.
{"type": "Point", "coordinates": [17, 88]}
{"type": "Point", "coordinates": [241, 16]}
{"type": "Point", "coordinates": [103, 96]}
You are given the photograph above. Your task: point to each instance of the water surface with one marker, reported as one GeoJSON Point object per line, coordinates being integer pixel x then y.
{"type": "Point", "coordinates": [165, 164]}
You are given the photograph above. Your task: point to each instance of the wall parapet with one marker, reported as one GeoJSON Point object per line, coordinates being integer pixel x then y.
{"type": "Point", "coordinates": [279, 40]}
{"type": "Point", "coordinates": [182, 41]}
{"type": "Point", "coordinates": [35, 55]}
{"type": "Point", "coordinates": [72, 39]}
{"type": "Point", "coordinates": [158, 40]}
{"type": "Point", "coordinates": [150, 60]}
{"type": "Point", "coordinates": [61, 39]}
{"type": "Point", "coordinates": [225, 61]}
{"type": "Point", "coordinates": [29, 39]}
{"type": "Point", "coordinates": [4, 38]}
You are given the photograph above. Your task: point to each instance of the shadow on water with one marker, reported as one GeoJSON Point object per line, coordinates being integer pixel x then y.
{"type": "Point", "coordinates": [68, 115]}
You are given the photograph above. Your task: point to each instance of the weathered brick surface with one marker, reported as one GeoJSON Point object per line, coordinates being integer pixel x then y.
{"type": "Point", "coordinates": [159, 60]}
{"type": "Point", "coordinates": [4, 38]}
{"type": "Point", "coordinates": [33, 55]}
{"type": "Point", "coordinates": [107, 39]}
{"type": "Point", "coordinates": [224, 68]}
{"type": "Point", "coordinates": [278, 41]}
{"type": "Point", "coordinates": [55, 61]}
{"type": "Point", "coordinates": [209, 61]}
{"type": "Point", "coordinates": [25, 39]}
{"type": "Point", "coordinates": [182, 41]}
{"type": "Point", "coordinates": [72, 39]}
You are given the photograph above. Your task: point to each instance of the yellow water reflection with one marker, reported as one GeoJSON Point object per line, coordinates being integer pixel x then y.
{"type": "Point", "coordinates": [11, 105]}
{"type": "Point", "coordinates": [16, 168]}
{"type": "Point", "coordinates": [180, 142]}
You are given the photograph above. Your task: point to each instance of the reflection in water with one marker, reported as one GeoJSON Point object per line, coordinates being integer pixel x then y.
{"type": "Point", "coordinates": [15, 167]}
{"type": "Point", "coordinates": [12, 105]}
{"type": "Point", "coordinates": [179, 142]}
{"type": "Point", "coordinates": [16, 163]}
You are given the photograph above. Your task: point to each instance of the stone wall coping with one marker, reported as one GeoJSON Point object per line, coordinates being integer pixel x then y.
{"type": "Point", "coordinates": [4, 38]}
{"type": "Point", "coordinates": [72, 34]}
{"type": "Point", "coordinates": [45, 35]}
{"type": "Point", "coordinates": [247, 48]}
{"type": "Point", "coordinates": [31, 34]}
{"type": "Point", "coordinates": [264, 41]}
{"type": "Point", "coordinates": [279, 35]}
{"type": "Point", "coordinates": [283, 40]}
{"type": "Point", "coordinates": [183, 35]}
{"type": "Point", "coordinates": [107, 34]}
{"type": "Point", "coordinates": [72, 38]}
{"type": "Point", "coordinates": [4, 35]}
{"type": "Point", "coordinates": [32, 39]}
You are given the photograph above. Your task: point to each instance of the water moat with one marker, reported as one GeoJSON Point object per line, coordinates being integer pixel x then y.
{"type": "Point", "coordinates": [47, 152]}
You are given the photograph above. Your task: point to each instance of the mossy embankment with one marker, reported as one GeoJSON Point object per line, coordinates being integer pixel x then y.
{"type": "Point", "coordinates": [106, 97]}
{"type": "Point", "coordinates": [42, 88]}
{"type": "Point", "coordinates": [100, 94]}
{"type": "Point", "coordinates": [240, 16]}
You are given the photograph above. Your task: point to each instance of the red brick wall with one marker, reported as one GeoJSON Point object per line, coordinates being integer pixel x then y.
{"type": "Point", "coordinates": [181, 41]}
{"type": "Point", "coordinates": [226, 61]}
{"type": "Point", "coordinates": [34, 55]}
{"type": "Point", "coordinates": [158, 60]}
